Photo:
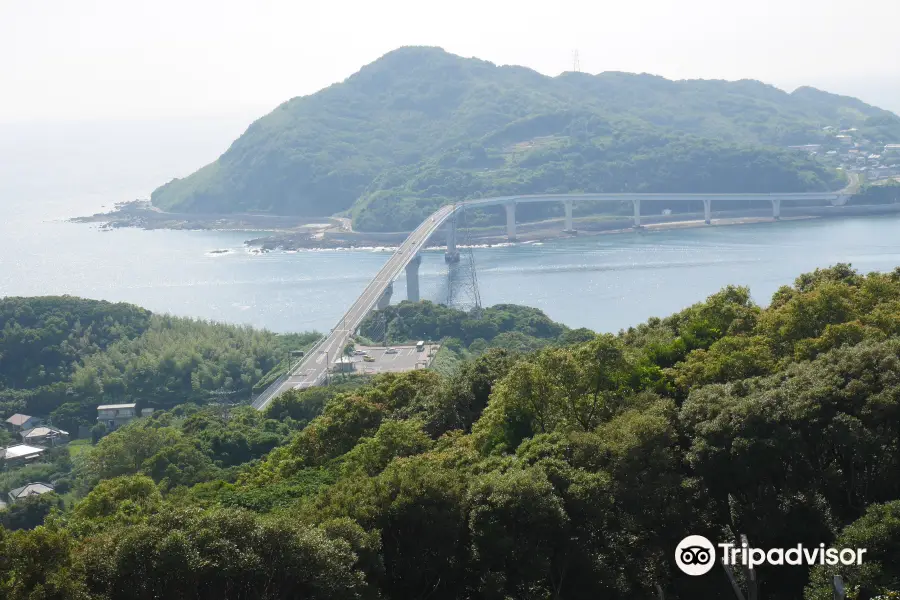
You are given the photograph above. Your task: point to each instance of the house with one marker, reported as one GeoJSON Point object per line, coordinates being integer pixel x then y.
{"type": "Point", "coordinates": [116, 415]}
{"type": "Point", "coordinates": [19, 422]}
{"type": "Point", "coordinates": [28, 490]}
{"type": "Point", "coordinates": [20, 453]}
{"type": "Point", "coordinates": [45, 436]}
{"type": "Point", "coordinates": [892, 147]}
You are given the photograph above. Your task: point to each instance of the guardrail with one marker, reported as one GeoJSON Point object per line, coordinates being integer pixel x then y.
{"type": "Point", "coordinates": [263, 398]}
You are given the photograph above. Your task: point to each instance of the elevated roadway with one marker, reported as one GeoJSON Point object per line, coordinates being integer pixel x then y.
{"type": "Point", "coordinates": [313, 368]}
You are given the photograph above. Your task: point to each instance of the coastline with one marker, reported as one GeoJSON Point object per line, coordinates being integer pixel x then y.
{"type": "Point", "coordinates": [332, 233]}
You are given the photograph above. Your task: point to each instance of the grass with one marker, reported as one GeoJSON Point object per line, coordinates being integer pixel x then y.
{"type": "Point", "coordinates": [78, 447]}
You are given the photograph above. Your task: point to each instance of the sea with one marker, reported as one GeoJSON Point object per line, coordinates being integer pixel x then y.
{"type": "Point", "coordinates": [50, 172]}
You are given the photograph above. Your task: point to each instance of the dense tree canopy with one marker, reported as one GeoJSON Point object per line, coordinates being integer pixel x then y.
{"type": "Point", "coordinates": [60, 357]}
{"type": "Point", "coordinates": [570, 472]}
{"type": "Point", "coordinates": [420, 127]}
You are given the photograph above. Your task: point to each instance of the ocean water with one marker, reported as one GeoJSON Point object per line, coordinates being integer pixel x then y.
{"type": "Point", "coordinates": [604, 282]}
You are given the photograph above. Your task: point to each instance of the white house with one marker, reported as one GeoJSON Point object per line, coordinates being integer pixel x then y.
{"type": "Point", "coordinates": [116, 415]}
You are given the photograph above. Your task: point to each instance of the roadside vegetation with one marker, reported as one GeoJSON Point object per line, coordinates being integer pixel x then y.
{"type": "Point", "coordinates": [568, 471]}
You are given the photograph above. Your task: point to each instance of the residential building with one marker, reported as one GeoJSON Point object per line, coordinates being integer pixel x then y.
{"type": "Point", "coordinates": [116, 415]}
{"type": "Point", "coordinates": [892, 147]}
{"type": "Point", "coordinates": [19, 422]}
{"type": "Point", "coordinates": [45, 436]}
{"type": "Point", "coordinates": [20, 453]}
{"type": "Point", "coordinates": [28, 490]}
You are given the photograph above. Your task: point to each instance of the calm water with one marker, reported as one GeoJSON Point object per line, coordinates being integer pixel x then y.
{"type": "Point", "coordinates": [604, 283]}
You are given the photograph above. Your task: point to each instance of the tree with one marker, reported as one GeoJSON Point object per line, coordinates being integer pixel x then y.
{"type": "Point", "coordinates": [878, 532]}
{"type": "Point", "coordinates": [223, 553]}
{"type": "Point", "coordinates": [38, 564]}
{"type": "Point", "coordinates": [29, 512]}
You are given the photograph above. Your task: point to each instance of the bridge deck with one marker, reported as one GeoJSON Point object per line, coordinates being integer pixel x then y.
{"type": "Point", "coordinates": [313, 368]}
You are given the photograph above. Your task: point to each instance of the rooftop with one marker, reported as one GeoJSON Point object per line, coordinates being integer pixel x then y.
{"type": "Point", "coordinates": [21, 450]}
{"type": "Point", "coordinates": [114, 406]}
{"type": "Point", "coordinates": [31, 489]}
{"type": "Point", "coordinates": [43, 431]}
{"type": "Point", "coordinates": [18, 419]}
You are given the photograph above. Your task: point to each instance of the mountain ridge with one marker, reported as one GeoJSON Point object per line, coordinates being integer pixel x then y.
{"type": "Point", "coordinates": [419, 127]}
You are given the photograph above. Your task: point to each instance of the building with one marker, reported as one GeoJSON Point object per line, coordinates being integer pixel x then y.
{"type": "Point", "coordinates": [28, 490]}
{"type": "Point", "coordinates": [343, 364]}
{"type": "Point", "coordinates": [20, 453]}
{"type": "Point", "coordinates": [116, 415]}
{"type": "Point", "coordinates": [19, 422]}
{"type": "Point", "coordinates": [45, 436]}
{"type": "Point", "coordinates": [892, 147]}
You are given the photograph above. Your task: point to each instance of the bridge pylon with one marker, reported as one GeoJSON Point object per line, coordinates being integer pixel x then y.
{"type": "Point", "coordinates": [412, 278]}
{"type": "Point", "coordinates": [451, 256]}
{"type": "Point", "coordinates": [462, 288]}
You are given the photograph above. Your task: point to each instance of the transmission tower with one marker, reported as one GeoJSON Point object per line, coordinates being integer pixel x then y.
{"type": "Point", "coordinates": [576, 63]}
{"type": "Point", "coordinates": [462, 288]}
{"type": "Point", "coordinates": [378, 329]}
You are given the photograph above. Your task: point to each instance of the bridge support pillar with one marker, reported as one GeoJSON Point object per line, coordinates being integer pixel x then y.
{"type": "Point", "coordinates": [707, 211]}
{"type": "Point", "coordinates": [776, 209]}
{"type": "Point", "coordinates": [510, 221]}
{"type": "Point", "coordinates": [412, 279]}
{"type": "Point", "coordinates": [637, 213]}
{"type": "Point", "coordinates": [452, 254]}
{"type": "Point", "coordinates": [567, 204]}
{"type": "Point", "coordinates": [385, 299]}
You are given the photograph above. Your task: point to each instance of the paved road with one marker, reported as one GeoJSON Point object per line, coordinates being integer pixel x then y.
{"type": "Point", "coordinates": [312, 369]}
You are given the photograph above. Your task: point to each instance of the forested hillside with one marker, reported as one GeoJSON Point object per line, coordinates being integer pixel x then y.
{"type": "Point", "coordinates": [61, 356]}
{"type": "Point", "coordinates": [571, 472]}
{"type": "Point", "coordinates": [419, 127]}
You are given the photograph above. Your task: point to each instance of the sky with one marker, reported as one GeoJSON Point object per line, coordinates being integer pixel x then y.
{"type": "Point", "coordinates": [124, 59]}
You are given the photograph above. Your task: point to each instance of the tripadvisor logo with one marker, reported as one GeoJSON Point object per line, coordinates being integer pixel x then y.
{"type": "Point", "coordinates": [696, 555]}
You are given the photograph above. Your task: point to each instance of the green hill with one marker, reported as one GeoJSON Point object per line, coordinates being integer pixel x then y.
{"type": "Point", "coordinates": [420, 127]}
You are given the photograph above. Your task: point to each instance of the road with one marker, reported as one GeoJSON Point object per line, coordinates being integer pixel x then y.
{"type": "Point", "coordinates": [314, 366]}
{"type": "Point", "coordinates": [312, 369]}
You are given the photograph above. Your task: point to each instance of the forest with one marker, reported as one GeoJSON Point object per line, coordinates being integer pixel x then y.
{"type": "Point", "coordinates": [61, 356]}
{"type": "Point", "coordinates": [568, 471]}
{"type": "Point", "coordinates": [420, 127]}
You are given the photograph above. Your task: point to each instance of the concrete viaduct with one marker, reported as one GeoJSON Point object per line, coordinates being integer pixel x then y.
{"type": "Point", "coordinates": [311, 370]}
{"type": "Point", "coordinates": [568, 200]}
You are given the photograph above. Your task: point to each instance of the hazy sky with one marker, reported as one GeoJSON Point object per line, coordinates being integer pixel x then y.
{"type": "Point", "coordinates": [88, 59]}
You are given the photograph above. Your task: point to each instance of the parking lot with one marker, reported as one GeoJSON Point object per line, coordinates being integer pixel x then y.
{"type": "Point", "coordinates": [404, 359]}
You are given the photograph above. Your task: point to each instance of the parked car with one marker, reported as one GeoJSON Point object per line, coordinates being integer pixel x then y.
{"type": "Point", "coordinates": [368, 358]}
{"type": "Point", "coordinates": [391, 351]}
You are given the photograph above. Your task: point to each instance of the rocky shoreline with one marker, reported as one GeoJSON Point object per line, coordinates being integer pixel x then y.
{"type": "Point", "coordinates": [296, 233]}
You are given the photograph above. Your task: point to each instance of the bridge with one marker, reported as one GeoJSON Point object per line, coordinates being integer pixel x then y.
{"type": "Point", "coordinates": [313, 368]}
